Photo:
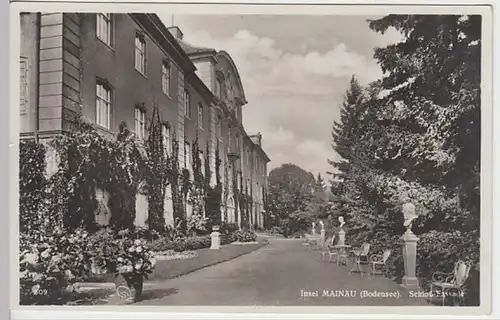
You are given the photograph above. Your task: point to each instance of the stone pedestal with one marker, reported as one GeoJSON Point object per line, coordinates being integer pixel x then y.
{"type": "Point", "coordinates": [409, 242]}
{"type": "Point", "coordinates": [215, 245]}
{"type": "Point", "coordinates": [313, 231]}
{"type": "Point", "coordinates": [322, 238]}
{"type": "Point", "coordinates": [341, 237]}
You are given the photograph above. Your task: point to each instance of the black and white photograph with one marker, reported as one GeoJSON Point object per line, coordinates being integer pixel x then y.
{"type": "Point", "coordinates": [264, 159]}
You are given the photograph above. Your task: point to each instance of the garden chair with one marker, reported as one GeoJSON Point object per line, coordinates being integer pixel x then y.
{"type": "Point", "coordinates": [378, 261]}
{"type": "Point", "coordinates": [360, 258]}
{"type": "Point", "coordinates": [447, 282]}
{"type": "Point", "coordinates": [328, 250]}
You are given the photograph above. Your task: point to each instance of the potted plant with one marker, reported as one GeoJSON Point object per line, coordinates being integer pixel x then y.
{"type": "Point", "coordinates": [134, 263]}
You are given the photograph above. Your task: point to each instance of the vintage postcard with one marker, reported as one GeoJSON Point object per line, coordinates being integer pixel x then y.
{"type": "Point", "coordinates": [216, 156]}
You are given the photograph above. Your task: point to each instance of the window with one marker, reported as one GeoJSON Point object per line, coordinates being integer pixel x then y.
{"type": "Point", "coordinates": [103, 28]}
{"type": "Point", "coordinates": [237, 143]}
{"type": "Point", "coordinates": [24, 84]}
{"type": "Point", "coordinates": [165, 78]}
{"type": "Point", "coordinates": [187, 104]}
{"type": "Point", "coordinates": [218, 88]}
{"type": "Point", "coordinates": [219, 127]}
{"type": "Point", "coordinates": [166, 139]}
{"type": "Point", "coordinates": [140, 53]}
{"type": "Point", "coordinates": [187, 153]}
{"type": "Point", "coordinates": [140, 123]}
{"type": "Point", "coordinates": [229, 87]}
{"type": "Point", "coordinates": [229, 137]}
{"type": "Point", "coordinates": [200, 116]}
{"type": "Point", "coordinates": [103, 105]}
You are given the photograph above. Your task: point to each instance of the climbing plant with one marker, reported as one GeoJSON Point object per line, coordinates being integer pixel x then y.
{"type": "Point", "coordinates": [158, 173]}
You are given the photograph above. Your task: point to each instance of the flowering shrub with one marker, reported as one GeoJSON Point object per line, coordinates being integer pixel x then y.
{"type": "Point", "coordinates": [245, 236]}
{"type": "Point", "coordinates": [48, 262]}
{"type": "Point", "coordinates": [196, 224]}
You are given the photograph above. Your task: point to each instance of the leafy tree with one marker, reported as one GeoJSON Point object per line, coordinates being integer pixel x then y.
{"type": "Point", "coordinates": [418, 142]}
{"type": "Point", "coordinates": [290, 190]}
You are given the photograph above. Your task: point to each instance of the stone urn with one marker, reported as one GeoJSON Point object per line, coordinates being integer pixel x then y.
{"type": "Point", "coordinates": [129, 286]}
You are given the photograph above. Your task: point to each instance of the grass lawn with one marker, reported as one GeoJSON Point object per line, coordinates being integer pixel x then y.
{"type": "Point", "coordinates": [169, 269]}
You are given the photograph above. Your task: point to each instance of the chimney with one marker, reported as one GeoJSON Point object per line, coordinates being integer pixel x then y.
{"type": "Point", "coordinates": [176, 32]}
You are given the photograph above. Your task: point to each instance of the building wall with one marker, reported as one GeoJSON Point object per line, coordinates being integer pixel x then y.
{"type": "Point", "coordinates": [116, 65]}
{"type": "Point", "coordinates": [71, 58]}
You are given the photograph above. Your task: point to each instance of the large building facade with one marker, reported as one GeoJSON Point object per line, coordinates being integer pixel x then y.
{"type": "Point", "coordinates": [113, 68]}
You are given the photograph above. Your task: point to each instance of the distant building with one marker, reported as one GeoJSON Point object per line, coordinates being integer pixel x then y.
{"type": "Point", "coordinates": [114, 68]}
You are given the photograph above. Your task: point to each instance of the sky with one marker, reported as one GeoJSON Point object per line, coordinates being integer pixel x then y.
{"type": "Point", "coordinates": [294, 71]}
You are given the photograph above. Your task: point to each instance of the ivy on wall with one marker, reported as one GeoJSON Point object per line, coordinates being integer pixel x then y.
{"type": "Point", "coordinates": [158, 173]}
{"type": "Point", "coordinates": [32, 183]}
{"type": "Point", "coordinates": [88, 161]}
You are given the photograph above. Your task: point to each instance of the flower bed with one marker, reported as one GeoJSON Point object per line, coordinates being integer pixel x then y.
{"type": "Point", "coordinates": [245, 236]}
{"type": "Point", "coordinates": [181, 244]}
{"type": "Point", "coordinates": [173, 255]}
{"type": "Point", "coordinates": [52, 261]}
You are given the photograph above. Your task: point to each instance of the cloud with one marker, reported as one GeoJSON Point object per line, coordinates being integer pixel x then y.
{"type": "Point", "coordinates": [293, 95]}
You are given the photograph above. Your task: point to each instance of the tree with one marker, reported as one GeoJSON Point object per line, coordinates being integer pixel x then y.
{"type": "Point", "coordinates": [419, 142]}
{"type": "Point", "coordinates": [320, 183]}
{"type": "Point", "coordinates": [290, 190]}
{"type": "Point", "coordinates": [345, 132]}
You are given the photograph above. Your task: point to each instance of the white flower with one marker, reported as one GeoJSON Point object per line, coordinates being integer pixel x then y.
{"type": "Point", "coordinates": [138, 249]}
{"type": "Point", "coordinates": [137, 242]}
{"type": "Point", "coordinates": [56, 258]}
{"type": "Point", "coordinates": [152, 261]}
{"type": "Point", "coordinates": [69, 274]}
{"type": "Point", "coordinates": [36, 276]}
{"type": "Point", "coordinates": [45, 254]}
{"type": "Point", "coordinates": [138, 266]}
{"type": "Point", "coordinates": [131, 249]}
{"type": "Point", "coordinates": [120, 259]}
{"type": "Point", "coordinates": [129, 269]}
{"type": "Point", "coordinates": [31, 258]}
{"type": "Point", "coordinates": [123, 269]}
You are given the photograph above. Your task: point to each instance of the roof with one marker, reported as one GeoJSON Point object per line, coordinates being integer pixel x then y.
{"type": "Point", "coordinates": [190, 49]}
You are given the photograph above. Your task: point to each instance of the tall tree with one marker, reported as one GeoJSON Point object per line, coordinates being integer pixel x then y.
{"type": "Point", "coordinates": [290, 190]}
{"type": "Point", "coordinates": [320, 183]}
{"type": "Point", "coordinates": [344, 133]}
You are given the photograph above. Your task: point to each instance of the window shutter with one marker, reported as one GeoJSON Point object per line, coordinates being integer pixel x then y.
{"type": "Point", "coordinates": [23, 84]}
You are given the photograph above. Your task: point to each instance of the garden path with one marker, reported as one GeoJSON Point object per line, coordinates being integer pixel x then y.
{"type": "Point", "coordinates": [274, 275]}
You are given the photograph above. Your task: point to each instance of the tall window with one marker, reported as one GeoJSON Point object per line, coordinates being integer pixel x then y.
{"type": "Point", "coordinates": [229, 137]}
{"type": "Point", "coordinates": [187, 152]}
{"type": "Point", "coordinates": [104, 28]}
{"type": "Point", "coordinates": [140, 53]}
{"type": "Point", "coordinates": [24, 84]}
{"type": "Point", "coordinates": [219, 127]}
{"type": "Point", "coordinates": [165, 132]}
{"type": "Point", "coordinates": [165, 77]}
{"type": "Point", "coordinates": [103, 105]}
{"type": "Point", "coordinates": [140, 123]}
{"type": "Point", "coordinates": [237, 143]}
{"type": "Point", "coordinates": [187, 103]}
{"type": "Point", "coordinates": [218, 89]}
{"type": "Point", "coordinates": [200, 116]}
